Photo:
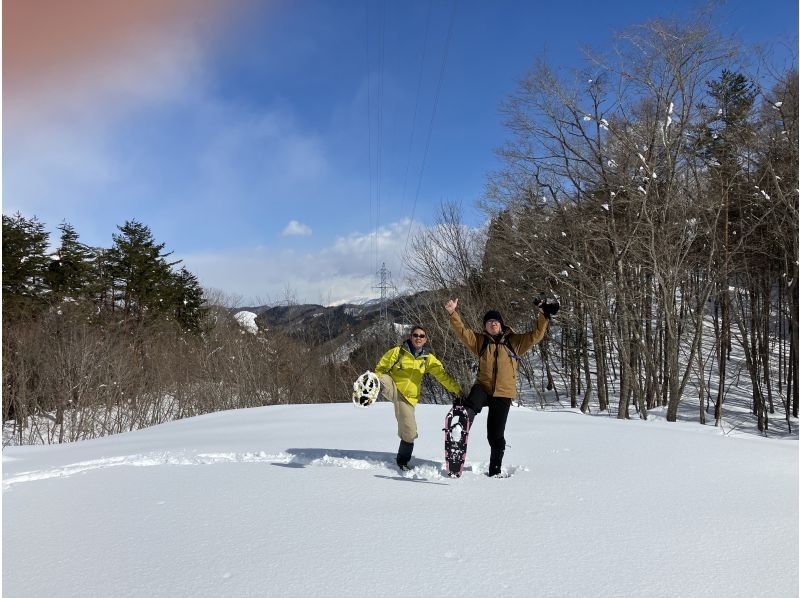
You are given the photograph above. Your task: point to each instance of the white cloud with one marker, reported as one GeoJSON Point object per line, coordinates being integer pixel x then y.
{"type": "Point", "coordinates": [259, 163]}
{"type": "Point", "coordinates": [343, 271]}
{"type": "Point", "coordinates": [296, 229]}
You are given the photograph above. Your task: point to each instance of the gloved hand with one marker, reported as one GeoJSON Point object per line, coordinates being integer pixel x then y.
{"type": "Point", "coordinates": [458, 399]}
{"type": "Point", "coordinates": [549, 308]}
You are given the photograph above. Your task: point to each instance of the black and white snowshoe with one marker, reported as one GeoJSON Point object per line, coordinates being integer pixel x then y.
{"type": "Point", "coordinates": [366, 389]}
{"type": "Point", "coordinates": [456, 433]}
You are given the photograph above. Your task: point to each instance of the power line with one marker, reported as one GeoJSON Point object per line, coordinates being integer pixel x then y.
{"type": "Point", "coordinates": [369, 129]}
{"type": "Point", "coordinates": [433, 116]}
{"type": "Point", "coordinates": [416, 103]}
{"type": "Point", "coordinates": [376, 112]}
{"type": "Point", "coordinates": [381, 62]}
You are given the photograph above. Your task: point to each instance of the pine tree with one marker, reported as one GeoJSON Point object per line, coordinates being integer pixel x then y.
{"type": "Point", "coordinates": [71, 272]}
{"type": "Point", "coordinates": [143, 283]}
{"type": "Point", "coordinates": [25, 264]}
{"type": "Point", "coordinates": [188, 300]}
{"type": "Point", "coordinates": [728, 136]}
{"type": "Point", "coordinates": [140, 274]}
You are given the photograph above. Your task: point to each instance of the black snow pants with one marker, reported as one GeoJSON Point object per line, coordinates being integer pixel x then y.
{"type": "Point", "coordinates": [495, 423]}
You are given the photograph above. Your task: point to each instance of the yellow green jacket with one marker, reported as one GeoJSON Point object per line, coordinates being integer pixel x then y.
{"type": "Point", "coordinates": [407, 371]}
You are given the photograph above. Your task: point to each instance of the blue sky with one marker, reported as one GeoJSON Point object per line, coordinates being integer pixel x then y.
{"type": "Point", "coordinates": [250, 142]}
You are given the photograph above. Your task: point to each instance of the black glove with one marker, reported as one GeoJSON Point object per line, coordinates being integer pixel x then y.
{"type": "Point", "coordinates": [550, 309]}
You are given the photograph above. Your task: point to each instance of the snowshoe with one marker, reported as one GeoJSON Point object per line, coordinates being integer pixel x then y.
{"type": "Point", "coordinates": [456, 433]}
{"type": "Point", "coordinates": [366, 389]}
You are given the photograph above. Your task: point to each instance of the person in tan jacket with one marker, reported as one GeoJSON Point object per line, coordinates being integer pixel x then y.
{"type": "Point", "coordinates": [498, 348]}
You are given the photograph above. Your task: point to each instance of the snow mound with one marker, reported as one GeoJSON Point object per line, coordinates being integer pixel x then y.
{"type": "Point", "coordinates": [247, 320]}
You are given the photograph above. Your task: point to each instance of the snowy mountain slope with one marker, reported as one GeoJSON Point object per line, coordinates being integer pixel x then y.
{"type": "Point", "coordinates": [305, 501]}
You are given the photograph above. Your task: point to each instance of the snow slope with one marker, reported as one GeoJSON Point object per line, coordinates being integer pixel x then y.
{"type": "Point", "coordinates": [247, 320]}
{"type": "Point", "coordinates": [305, 501]}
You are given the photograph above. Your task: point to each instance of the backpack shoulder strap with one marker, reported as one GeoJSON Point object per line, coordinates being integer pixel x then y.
{"type": "Point", "coordinates": [485, 344]}
{"type": "Point", "coordinates": [503, 342]}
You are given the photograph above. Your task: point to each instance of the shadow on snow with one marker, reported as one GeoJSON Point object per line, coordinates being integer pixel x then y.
{"type": "Point", "coordinates": [357, 459]}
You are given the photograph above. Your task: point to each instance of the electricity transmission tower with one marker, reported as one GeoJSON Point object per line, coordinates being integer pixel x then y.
{"type": "Point", "coordinates": [385, 285]}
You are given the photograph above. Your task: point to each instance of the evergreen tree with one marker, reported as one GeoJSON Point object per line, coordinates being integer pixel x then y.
{"type": "Point", "coordinates": [25, 264]}
{"type": "Point", "coordinates": [143, 283]}
{"type": "Point", "coordinates": [71, 272]}
{"type": "Point", "coordinates": [140, 274]}
{"type": "Point", "coordinates": [727, 133]}
{"type": "Point", "coordinates": [188, 300]}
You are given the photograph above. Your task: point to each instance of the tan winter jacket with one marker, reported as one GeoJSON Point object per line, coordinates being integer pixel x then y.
{"type": "Point", "coordinates": [497, 367]}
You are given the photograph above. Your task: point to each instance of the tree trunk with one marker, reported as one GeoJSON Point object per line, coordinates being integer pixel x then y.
{"type": "Point", "coordinates": [587, 395]}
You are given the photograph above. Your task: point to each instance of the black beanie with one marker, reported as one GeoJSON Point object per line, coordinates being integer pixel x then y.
{"type": "Point", "coordinates": [493, 314]}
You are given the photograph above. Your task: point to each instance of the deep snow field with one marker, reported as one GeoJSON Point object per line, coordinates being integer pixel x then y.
{"type": "Point", "coordinates": [305, 500]}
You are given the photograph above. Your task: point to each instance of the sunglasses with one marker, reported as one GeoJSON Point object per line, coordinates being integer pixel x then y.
{"type": "Point", "coordinates": [418, 335]}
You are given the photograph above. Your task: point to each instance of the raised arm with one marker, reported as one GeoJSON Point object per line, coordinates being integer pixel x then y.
{"type": "Point", "coordinates": [466, 335]}
{"type": "Point", "coordinates": [524, 342]}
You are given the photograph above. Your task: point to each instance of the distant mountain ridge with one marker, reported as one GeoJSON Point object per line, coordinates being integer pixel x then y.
{"type": "Point", "coordinates": [335, 324]}
{"type": "Point", "coordinates": [314, 322]}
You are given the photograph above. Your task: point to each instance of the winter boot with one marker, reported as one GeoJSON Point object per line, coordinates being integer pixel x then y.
{"type": "Point", "coordinates": [495, 462]}
{"type": "Point", "coordinates": [404, 454]}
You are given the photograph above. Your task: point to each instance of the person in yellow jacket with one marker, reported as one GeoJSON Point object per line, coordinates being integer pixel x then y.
{"type": "Point", "coordinates": [498, 349]}
{"type": "Point", "coordinates": [400, 372]}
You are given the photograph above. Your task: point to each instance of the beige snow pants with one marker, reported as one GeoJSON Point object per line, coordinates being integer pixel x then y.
{"type": "Point", "coordinates": [403, 410]}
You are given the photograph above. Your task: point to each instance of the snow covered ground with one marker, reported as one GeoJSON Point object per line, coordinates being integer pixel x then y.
{"type": "Point", "coordinates": [305, 501]}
